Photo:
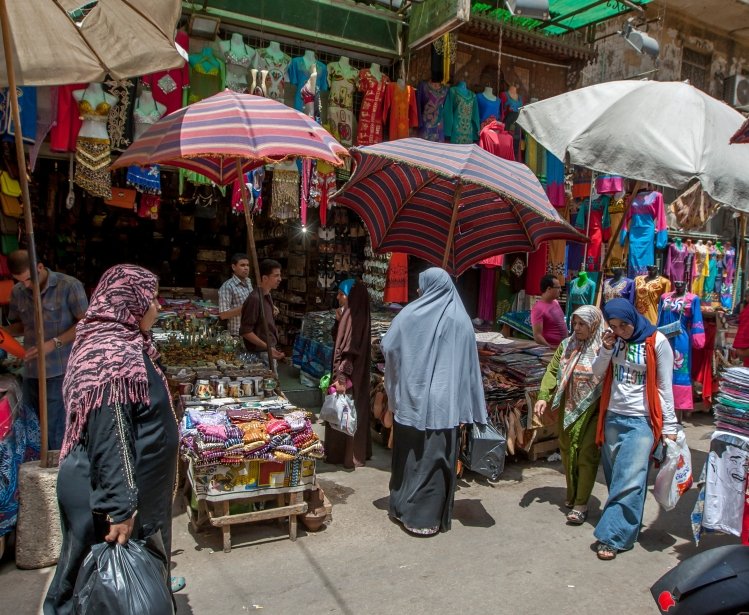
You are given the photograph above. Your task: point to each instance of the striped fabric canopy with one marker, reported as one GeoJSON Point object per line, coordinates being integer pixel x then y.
{"type": "Point", "coordinates": [742, 134]}
{"type": "Point", "coordinates": [405, 192]}
{"type": "Point", "coordinates": [209, 136]}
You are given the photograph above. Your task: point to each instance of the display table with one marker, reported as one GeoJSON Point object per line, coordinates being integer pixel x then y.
{"type": "Point", "coordinates": [212, 491]}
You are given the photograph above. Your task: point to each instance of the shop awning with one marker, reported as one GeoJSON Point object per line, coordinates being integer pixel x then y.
{"type": "Point", "coordinates": [566, 15]}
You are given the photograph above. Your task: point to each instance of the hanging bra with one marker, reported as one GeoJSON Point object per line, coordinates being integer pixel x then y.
{"type": "Point", "coordinates": [87, 111]}
{"type": "Point", "coordinates": [243, 61]}
{"type": "Point", "coordinates": [148, 117]}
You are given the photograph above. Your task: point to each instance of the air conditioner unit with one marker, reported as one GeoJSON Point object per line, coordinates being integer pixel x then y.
{"type": "Point", "coordinates": [737, 91]}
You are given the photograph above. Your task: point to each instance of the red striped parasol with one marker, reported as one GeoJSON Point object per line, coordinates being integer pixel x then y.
{"type": "Point", "coordinates": [742, 134]}
{"type": "Point", "coordinates": [451, 205]}
{"type": "Point", "coordinates": [210, 136]}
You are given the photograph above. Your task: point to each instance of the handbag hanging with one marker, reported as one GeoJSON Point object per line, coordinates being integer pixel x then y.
{"type": "Point", "coordinates": [672, 329]}
{"type": "Point", "coordinates": [11, 205]}
{"type": "Point", "coordinates": [123, 198]}
{"type": "Point", "coordinates": [8, 224]}
{"type": "Point", "coordinates": [8, 185]}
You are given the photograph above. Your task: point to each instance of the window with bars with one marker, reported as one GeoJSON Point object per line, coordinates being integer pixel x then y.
{"type": "Point", "coordinates": [695, 66]}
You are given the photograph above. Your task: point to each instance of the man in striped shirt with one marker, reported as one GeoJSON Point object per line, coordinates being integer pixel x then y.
{"type": "Point", "coordinates": [233, 292]}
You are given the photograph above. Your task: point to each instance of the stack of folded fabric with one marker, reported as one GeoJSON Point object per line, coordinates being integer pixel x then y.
{"type": "Point", "coordinates": [232, 436]}
{"type": "Point", "coordinates": [731, 405]}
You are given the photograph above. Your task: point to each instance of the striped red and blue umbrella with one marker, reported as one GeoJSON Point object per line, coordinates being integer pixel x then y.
{"type": "Point", "coordinates": [210, 136]}
{"type": "Point", "coordinates": [742, 134]}
{"type": "Point", "coordinates": [451, 205]}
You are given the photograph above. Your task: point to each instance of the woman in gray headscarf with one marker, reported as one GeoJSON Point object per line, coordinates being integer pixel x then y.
{"type": "Point", "coordinates": [433, 381]}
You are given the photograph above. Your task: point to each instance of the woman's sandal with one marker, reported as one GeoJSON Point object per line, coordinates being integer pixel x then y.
{"type": "Point", "coordinates": [605, 552]}
{"type": "Point", "coordinates": [577, 517]}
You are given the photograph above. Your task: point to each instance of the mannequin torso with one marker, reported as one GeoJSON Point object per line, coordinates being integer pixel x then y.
{"type": "Point", "coordinates": [374, 68]}
{"type": "Point", "coordinates": [239, 58]}
{"type": "Point", "coordinates": [146, 112]}
{"type": "Point", "coordinates": [93, 107]}
{"type": "Point", "coordinates": [489, 94]}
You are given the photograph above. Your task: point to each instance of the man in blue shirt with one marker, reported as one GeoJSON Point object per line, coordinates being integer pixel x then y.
{"type": "Point", "coordinates": [64, 303]}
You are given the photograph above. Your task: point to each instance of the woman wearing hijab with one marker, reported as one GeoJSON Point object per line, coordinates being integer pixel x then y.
{"type": "Point", "coordinates": [573, 388]}
{"type": "Point", "coordinates": [119, 455]}
{"type": "Point", "coordinates": [637, 411]}
{"type": "Point", "coordinates": [350, 374]}
{"type": "Point", "coordinates": [434, 385]}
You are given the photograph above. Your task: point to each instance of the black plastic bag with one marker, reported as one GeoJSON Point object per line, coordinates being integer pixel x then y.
{"type": "Point", "coordinates": [485, 451]}
{"type": "Point", "coordinates": [130, 579]}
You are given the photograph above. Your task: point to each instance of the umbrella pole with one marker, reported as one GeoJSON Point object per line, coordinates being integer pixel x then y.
{"type": "Point", "coordinates": [453, 221]}
{"type": "Point", "coordinates": [614, 238]}
{"type": "Point", "coordinates": [252, 249]}
{"type": "Point", "coordinates": [24, 181]}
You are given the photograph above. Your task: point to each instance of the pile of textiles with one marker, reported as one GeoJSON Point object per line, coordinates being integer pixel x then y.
{"type": "Point", "coordinates": [233, 434]}
{"type": "Point", "coordinates": [508, 371]}
{"type": "Point", "coordinates": [723, 502]}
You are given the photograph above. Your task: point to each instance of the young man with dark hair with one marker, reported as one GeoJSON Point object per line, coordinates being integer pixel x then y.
{"type": "Point", "coordinates": [251, 327]}
{"type": "Point", "coordinates": [64, 303]}
{"type": "Point", "coordinates": [234, 292]}
{"type": "Point", "coordinates": [547, 317]}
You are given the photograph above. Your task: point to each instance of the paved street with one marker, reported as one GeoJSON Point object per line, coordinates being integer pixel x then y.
{"type": "Point", "coordinates": [509, 551]}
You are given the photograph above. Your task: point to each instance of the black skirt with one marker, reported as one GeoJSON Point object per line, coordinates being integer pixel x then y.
{"type": "Point", "coordinates": [422, 482]}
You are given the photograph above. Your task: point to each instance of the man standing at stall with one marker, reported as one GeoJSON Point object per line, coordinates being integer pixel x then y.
{"type": "Point", "coordinates": [234, 292]}
{"type": "Point", "coordinates": [547, 317]}
{"type": "Point", "coordinates": [64, 303]}
{"type": "Point", "coordinates": [251, 327]}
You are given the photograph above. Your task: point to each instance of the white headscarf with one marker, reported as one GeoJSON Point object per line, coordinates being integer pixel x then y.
{"type": "Point", "coordinates": [432, 372]}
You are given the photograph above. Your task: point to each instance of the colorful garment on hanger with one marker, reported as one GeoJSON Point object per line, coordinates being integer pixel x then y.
{"type": "Point", "coordinates": [709, 290]}
{"type": "Point", "coordinates": [496, 140]}
{"type": "Point", "coordinates": [27, 109]}
{"type": "Point", "coordinates": [323, 188]}
{"type": "Point", "coordinates": [430, 98]}
{"type": "Point", "coordinates": [276, 67]}
{"type": "Point", "coordinates": [555, 180]}
{"type": "Point", "coordinates": [144, 179]}
{"type": "Point", "coordinates": [609, 184]}
{"type": "Point", "coordinates": [487, 288]}
{"type": "Point", "coordinates": [676, 260]}
{"type": "Point", "coordinates": [170, 86]}
{"type": "Point", "coordinates": [342, 81]}
{"type": "Point", "coordinates": [284, 203]}
{"type": "Point", "coordinates": [299, 74]}
{"type": "Point", "coordinates": [493, 261]}
{"type": "Point", "coordinates": [623, 288]}
{"type": "Point", "coordinates": [207, 75]}
{"type": "Point", "coordinates": [121, 126]}
{"type": "Point", "coordinates": [149, 206]}
{"type": "Point", "coordinates": [575, 251]}
{"type": "Point", "coordinates": [648, 294]}
{"type": "Point", "coordinates": [489, 110]}
{"type": "Point", "coordinates": [254, 182]}
{"type": "Point", "coordinates": [535, 157]}
{"type": "Point", "coordinates": [371, 113]}
{"type": "Point", "coordinates": [581, 178]}
{"type": "Point", "coordinates": [396, 286]}
{"type": "Point", "coordinates": [64, 132]}
{"type": "Point", "coordinates": [645, 226]}
{"type": "Point", "coordinates": [536, 270]}
{"type": "Point", "coordinates": [598, 227]}
{"type": "Point", "coordinates": [685, 309]}
{"type": "Point", "coordinates": [92, 160]}
{"type": "Point", "coordinates": [556, 262]}
{"type": "Point", "coordinates": [461, 115]}
{"type": "Point", "coordinates": [701, 268]}
{"type": "Point", "coordinates": [579, 294]}
{"type": "Point", "coordinates": [729, 258]}
{"type": "Point", "coordinates": [401, 111]}
{"type": "Point", "coordinates": [618, 256]}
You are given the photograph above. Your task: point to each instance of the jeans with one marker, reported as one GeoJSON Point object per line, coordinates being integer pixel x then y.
{"type": "Point", "coordinates": [55, 407]}
{"type": "Point", "coordinates": [625, 456]}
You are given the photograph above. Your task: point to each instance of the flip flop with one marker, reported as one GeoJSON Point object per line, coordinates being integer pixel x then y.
{"type": "Point", "coordinates": [177, 584]}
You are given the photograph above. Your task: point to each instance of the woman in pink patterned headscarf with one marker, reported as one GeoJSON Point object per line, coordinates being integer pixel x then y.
{"type": "Point", "coordinates": [119, 455]}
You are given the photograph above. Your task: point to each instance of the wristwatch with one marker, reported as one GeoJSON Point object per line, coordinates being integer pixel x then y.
{"type": "Point", "coordinates": [57, 341]}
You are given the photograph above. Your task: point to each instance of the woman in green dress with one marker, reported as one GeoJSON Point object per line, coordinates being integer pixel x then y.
{"type": "Point", "coordinates": [570, 387]}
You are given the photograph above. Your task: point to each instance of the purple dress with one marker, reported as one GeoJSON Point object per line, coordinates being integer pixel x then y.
{"type": "Point", "coordinates": [676, 259]}
{"type": "Point", "coordinates": [430, 98]}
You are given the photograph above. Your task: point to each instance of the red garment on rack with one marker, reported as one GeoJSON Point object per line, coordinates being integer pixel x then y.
{"type": "Point", "coordinates": [396, 286]}
{"type": "Point", "coordinates": [169, 91]}
{"type": "Point", "coordinates": [64, 131]}
{"type": "Point", "coordinates": [496, 140]}
{"type": "Point", "coordinates": [702, 362]}
{"type": "Point", "coordinates": [536, 270]}
{"type": "Point", "coordinates": [400, 109]}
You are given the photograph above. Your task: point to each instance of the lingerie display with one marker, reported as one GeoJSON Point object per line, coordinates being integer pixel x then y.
{"type": "Point", "coordinates": [648, 293]}
{"type": "Point", "coordinates": [145, 179]}
{"type": "Point", "coordinates": [207, 75]}
{"type": "Point", "coordinates": [238, 59]}
{"type": "Point", "coordinates": [120, 125]}
{"type": "Point", "coordinates": [461, 115]}
{"type": "Point", "coordinates": [400, 110]}
{"type": "Point", "coordinates": [489, 110]}
{"type": "Point", "coordinates": [430, 98]}
{"type": "Point", "coordinates": [285, 192]}
{"type": "Point", "coordinates": [372, 109]}
{"type": "Point", "coordinates": [623, 288]}
{"type": "Point", "coordinates": [342, 81]}
{"type": "Point", "coordinates": [273, 72]}
{"type": "Point", "coordinates": [645, 226]}
{"type": "Point", "coordinates": [685, 309]}
{"type": "Point", "coordinates": [170, 86]}
{"type": "Point", "coordinates": [93, 155]}
{"type": "Point", "coordinates": [299, 74]}
{"type": "Point", "coordinates": [594, 219]}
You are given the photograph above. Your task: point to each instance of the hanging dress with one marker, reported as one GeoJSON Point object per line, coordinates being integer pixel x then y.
{"type": "Point", "coordinates": [489, 110]}
{"type": "Point", "coordinates": [299, 74]}
{"type": "Point", "coordinates": [578, 295]}
{"type": "Point", "coordinates": [598, 228]}
{"type": "Point", "coordinates": [685, 309]}
{"type": "Point", "coordinates": [341, 102]}
{"type": "Point", "coordinates": [169, 87]}
{"type": "Point", "coordinates": [701, 268]}
{"type": "Point", "coordinates": [400, 110]}
{"type": "Point", "coordinates": [461, 116]}
{"type": "Point", "coordinates": [645, 225]}
{"type": "Point", "coordinates": [676, 260]}
{"type": "Point", "coordinates": [92, 155]}
{"type": "Point", "coordinates": [623, 288]}
{"type": "Point", "coordinates": [207, 75]}
{"type": "Point", "coordinates": [372, 107]}
{"type": "Point", "coordinates": [648, 294]}
{"type": "Point", "coordinates": [274, 69]}
{"type": "Point", "coordinates": [145, 179]}
{"type": "Point", "coordinates": [430, 99]}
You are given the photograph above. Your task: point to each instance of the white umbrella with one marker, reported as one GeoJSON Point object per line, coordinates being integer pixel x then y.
{"type": "Point", "coordinates": [667, 133]}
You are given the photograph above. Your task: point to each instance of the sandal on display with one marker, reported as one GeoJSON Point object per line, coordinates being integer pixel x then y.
{"type": "Point", "coordinates": [577, 517]}
{"type": "Point", "coordinates": [605, 552]}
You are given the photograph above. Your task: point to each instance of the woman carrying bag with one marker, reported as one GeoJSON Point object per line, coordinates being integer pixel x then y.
{"type": "Point", "coordinates": [573, 389]}
{"type": "Point", "coordinates": [637, 411]}
{"type": "Point", "coordinates": [350, 374]}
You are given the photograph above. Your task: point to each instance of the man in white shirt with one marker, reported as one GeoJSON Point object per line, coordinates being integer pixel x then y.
{"type": "Point", "coordinates": [234, 292]}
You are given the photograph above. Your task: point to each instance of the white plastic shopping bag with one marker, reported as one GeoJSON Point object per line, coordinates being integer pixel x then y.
{"type": "Point", "coordinates": [339, 411]}
{"type": "Point", "coordinates": [675, 476]}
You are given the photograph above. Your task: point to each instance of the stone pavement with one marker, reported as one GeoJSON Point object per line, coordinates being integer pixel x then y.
{"type": "Point", "coordinates": [509, 551]}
